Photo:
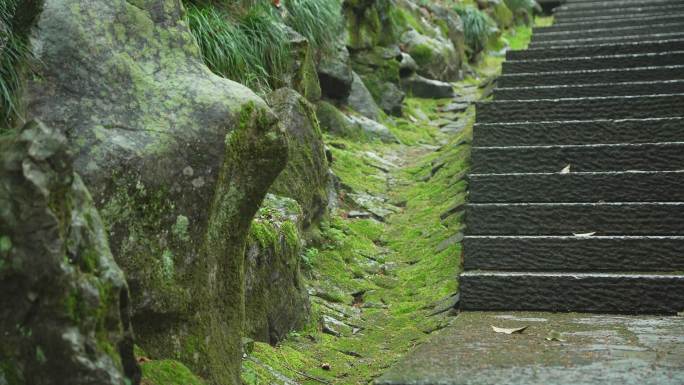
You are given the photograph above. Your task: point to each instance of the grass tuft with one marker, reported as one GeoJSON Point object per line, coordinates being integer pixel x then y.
{"type": "Point", "coordinates": [476, 27]}
{"type": "Point", "coordinates": [251, 49]}
{"type": "Point", "coordinates": [320, 21]}
{"type": "Point", "coordinates": [14, 52]}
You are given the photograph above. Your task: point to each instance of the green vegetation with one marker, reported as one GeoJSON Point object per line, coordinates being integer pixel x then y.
{"type": "Point", "coordinates": [14, 52]}
{"type": "Point", "coordinates": [518, 6]}
{"type": "Point", "coordinates": [251, 49]}
{"type": "Point", "coordinates": [320, 21]}
{"type": "Point", "coordinates": [477, 28]}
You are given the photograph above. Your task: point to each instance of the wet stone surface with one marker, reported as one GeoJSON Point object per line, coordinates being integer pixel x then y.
{"type": "Point", "coordinates": [560, 349]}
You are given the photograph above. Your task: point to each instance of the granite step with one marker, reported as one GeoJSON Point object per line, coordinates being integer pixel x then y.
{"type": "Point", "coordinates": [590, 90]}
{"type": "Point", "coordinates": [643, 9]}
{"type": "Point", "coordinates": [632, 38]}
{"type": "Point", "coordinates": [598, 18]}
{"type": "Point", "coordinates": [588, 292]}
{"type": "Point", "coordinates": [609, 218]}
{"type": "Point", "coordinates": [605, 49]}
{"type": "Point", "coordinates": [599, 107]}
{"type": "Point", "coordinates": [581, 158]}
{"type": "Point", "coordinates": [601, 32]}
{"type": "Point", "coordinates": [579, 63]}
{"type": "Point", "coordinates": [606, 186]}
{"type": "Point", "coordinates": [612, 23]}
{"type": "Point", "coordinates": [579, 132]}
{"type": "Point", "coordinates": [598, 6]}
{"type": "Point", "coordinates": [572, 253]}
{"type": "Point", "coordinates": [600, 76]}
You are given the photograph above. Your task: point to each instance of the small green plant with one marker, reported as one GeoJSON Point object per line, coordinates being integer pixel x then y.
{"type": "Point", "coordinates": [308, 257]}
{"type": "Point", "coordinates": [320, 21]}
{"type": "Point", "coordinates": [251, 49]}
{"type": "Point", "coordinates": [476, 28]}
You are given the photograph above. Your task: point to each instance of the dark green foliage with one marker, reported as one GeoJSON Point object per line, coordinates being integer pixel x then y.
{"type": "Point", "coordinates": [13, 55]}
{"type": "Point", "coordinates": [251, 49]}
{"type": "Point", "coordinates": [320, 21]}
{"type": "Point", "coordinates": [477, 27]}
{"type": "Point", "coordinates": [520, 8]}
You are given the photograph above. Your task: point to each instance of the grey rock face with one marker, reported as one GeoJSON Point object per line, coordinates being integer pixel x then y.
{"type": "Point", "coordinates": [65, 315]}
{"type": "Point", "coordinates": [361, 100]}
{"type": "Point", "coordinates": [436, 58]}
{"type": "Point", "coordinates": [276, 300]}
{"type": "Point", "coordinates": [391, 99]}
{"type": "Point", "coordinates": [177, 159]}
{"type": "Point", "coordinates": [305, 178]}
{"type": "Point", "coordinates": [427, 88]}
{"type": "Point", "coordinates": [372, 129]}
{"type": "Point", "coordinates": [335, 74]}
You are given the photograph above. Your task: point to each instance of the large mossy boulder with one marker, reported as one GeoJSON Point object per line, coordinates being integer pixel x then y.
{"type": "Point", "coordinates": [436, 57]}
{"type": "Point", "coordinates": [307, 175]}
{"type": "Point", "coordinates": [276, 300]}
{"type": "Point", "coordinates": [380, 70]}
{"type": "Point", "coordinates": [65, 315]}
{"type": "Point", "coordinates": [335, 74]}
{"type": "Point", "coordinates": [369, 23]}
{"type": "Point", "coordinates": [362, 101]}
{"type": "Point", "coordinates": [302, 75]}
{"type": "Point", "coordinates": [177, 159]}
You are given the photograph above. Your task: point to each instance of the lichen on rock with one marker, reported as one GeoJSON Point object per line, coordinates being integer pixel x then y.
{"type": "Point", "coordinates": [68, 318]}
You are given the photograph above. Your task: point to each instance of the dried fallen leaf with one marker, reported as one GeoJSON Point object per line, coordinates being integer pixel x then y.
{"type": "Point", "coordinates": [508, 331]}
{"type": "Point", "coordinates": [565, 170]}
{"type": "Point", "coordinates": [325, 366]}
{"type": "Point", "coordinates": [554, 336]}
{"type": "Point", "coordinates": [584, 234]}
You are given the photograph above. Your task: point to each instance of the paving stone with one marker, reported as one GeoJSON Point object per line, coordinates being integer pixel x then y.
{"type": "Point", "coordinates": [633, 30]}
{"type": "Point", "coordinates": [603, 49]}
{"type": "Point", "coordinates": [601, 76]}
{"type": "Point", "coordinates": [597, 349]}
{"type": "Point", "coordinates": [635, 37]}
{"type": "Point", "coordinates": [650, 59]}
{"type": "Point", "coordinates": [614, 22]}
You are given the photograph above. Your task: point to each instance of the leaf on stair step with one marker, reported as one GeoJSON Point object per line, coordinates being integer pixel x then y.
{"type": "Point", "coordinates": [584, 235]}
{"type": "Point", "coordinates": [565, 170]}
{"type": "Point", "coordinates": [554, 336]}
{"type": "Point", "coordinates": [508, 331]}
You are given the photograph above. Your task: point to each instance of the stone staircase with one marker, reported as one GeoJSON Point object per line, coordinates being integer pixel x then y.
{"type": "Point", "coordinates": [600, 92]}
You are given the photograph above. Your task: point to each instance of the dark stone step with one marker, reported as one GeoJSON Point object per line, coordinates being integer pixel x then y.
{"type": "Point", "coordinates": [605, 49]}
{"type": "Point", "coordinates": [602, 76]}
{"type": "Point", "coordinates": [597, 19]}
{"type": "Point", "coordinates": [571, 218]}
{"type": "Point", "coordinates": [570, 253]}
{"type": "Point", "coordinates": [581, 158]}
{"type": "Point", "coordinates": [609, 107]}
{"type": "Point", "coordinates": [635, 186]}
{"type": "Point", "coordinates": [600, 6]}
{"type": "Point", "coordinates": [594, 62]}
{"type": "Point", "coordinates": [632, 38]}
{"type": "Point", "coordinates": [613, 22]}
{"type": "Point", "coordinates": [590, 90]}
{"type": "Point", "coordinates": [604, 293]}
{"type": "Point", "coordinates": [579, 132]}
{"type": "Point", "coordinates": [644, 9]}
{"type": "Point", "coordinates": [609, 32]}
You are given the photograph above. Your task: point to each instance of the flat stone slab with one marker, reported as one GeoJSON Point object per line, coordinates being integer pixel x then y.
{"type": "Point", "coordinates": [610, 186]}
{"type": "Point", "coordinates": [645, 8]}
{"type": "Point", "coordinates": [573, 253]}
{"type": "Point", "coordinates": [574, 50]}
{"type": "Point", "coordinates": [580, 158]}
{"type": "Point", "coordinates": [601, 76]}
{"type": "Point", "coordinates": [636, 37]}
{"type": "Point", "coordinates": [579, 132]}
{"type": "Point", "coordinates": [596, 350]}
{"type": "Point", "coordinates": [634, 30]}
{"type": "Point", "coordinates": [623, 293]}
{"type": "Point", "coordinates": [615, 22]}
{"type": "Point", "coordinates": [597, 18]}
{"type": "Point", "coordinates": [610, 218]}
{"type": "Point", "coordinates": [622, 4]}
{"type": "Point", "coordinates": [590, 90]}
{"type": "Point", "coordinates": [650, 59]}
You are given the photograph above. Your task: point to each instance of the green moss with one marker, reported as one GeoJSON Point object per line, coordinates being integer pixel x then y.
{"type": "Point", "coordinates": [168, 372]}
{"type": "Point", "coordinates": [422, 54]}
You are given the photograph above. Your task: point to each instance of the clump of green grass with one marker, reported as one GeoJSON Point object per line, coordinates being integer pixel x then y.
{"type": "Point", "coordinates": [14, 52]}
{"type": "Point", "coordinates": [251, 49]}
{"type": "Point", "coordinates": [476, 28]}
{"type": "Point", "coordinates": [320, 21]}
